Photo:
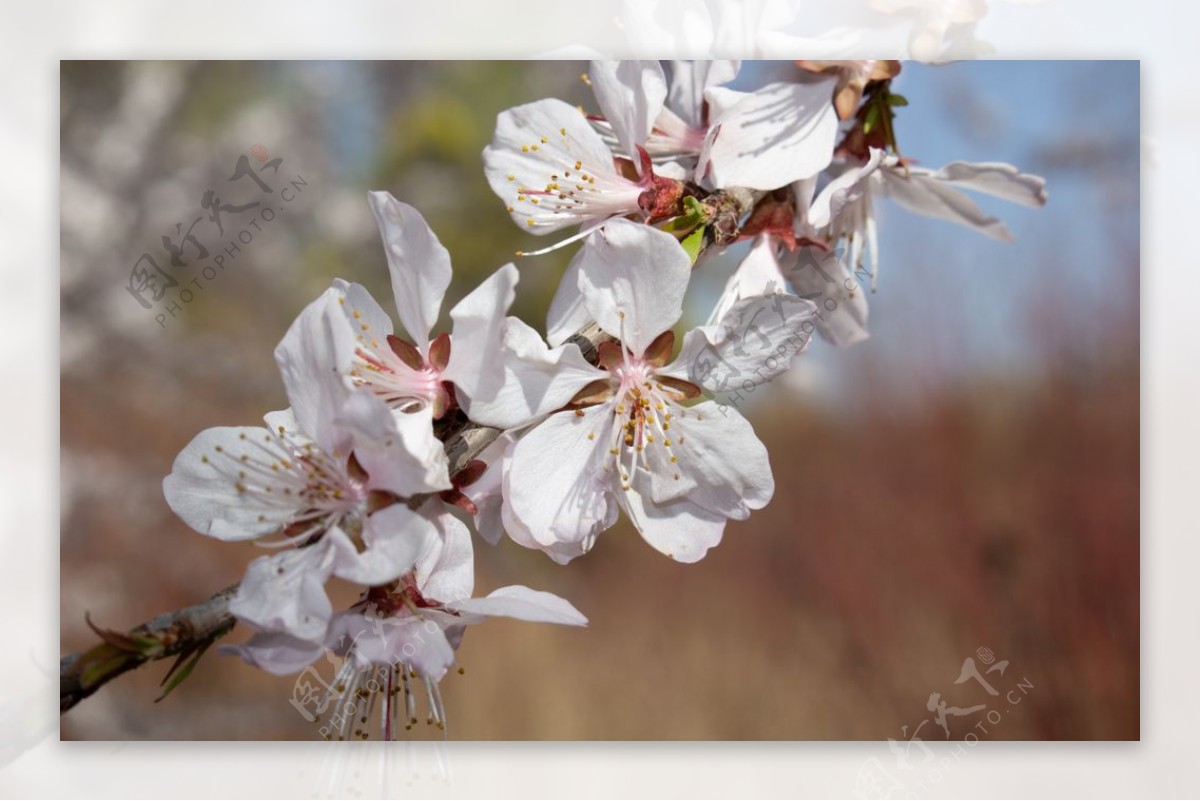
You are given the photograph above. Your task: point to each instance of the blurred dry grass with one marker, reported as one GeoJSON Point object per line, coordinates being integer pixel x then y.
{"type": "Point", "coordinates": [894, 548]}
{"type": "Point", "coordinates": [999, 512]}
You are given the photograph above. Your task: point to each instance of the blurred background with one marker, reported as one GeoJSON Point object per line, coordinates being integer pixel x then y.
{"type": "Point", "coordinates": [964, 485]}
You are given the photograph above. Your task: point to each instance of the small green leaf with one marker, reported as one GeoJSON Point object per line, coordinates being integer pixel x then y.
{"type": "Point", "coordinates": [872, 118]}
{"type": "Point", "coordinates": [693, 242]}
{"type": "Point", "coordinates": [897, 100]}
{"type": "Point", "coordinates": [170, 681]}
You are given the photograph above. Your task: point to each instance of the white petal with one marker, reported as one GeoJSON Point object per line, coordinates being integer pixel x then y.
{"type": "Point", "coordinates": [523, 603]}
{"type": "Point", "coordinates": [395, 537]}
{"type": "Point", "coordinates": [518, 532]}
{"type": "Point", "coordinates": [537, 379]}
{"type": "Point", "coordinates": [841, 301]}
{"type": "Point", "coordinates": [633, 279]}
{"type": "Point", "coordinates": [203, 487]}
{"type": "Point", "coordinates": [369, 322]}
{"type": "Point", "coordinates": [680, 529]}
{"type": "Point", "coordinates": [533, 157]}
{"type": "Point", "coordinates": [475, 364]}
{"type": "Point", "coordinates": [690, 79]}
{"type": "Point", "coordinates": [559, 482]}
{"type": "Point", "coordinates": [998, 180]}
{"type": "Point", "coordinates": [419, 265]}
{"type": "Point", "coordinates": [755, 341]}
{"type": "Point", "coordinates": [842, 191]}
{"type": "Point", "coordinates": [397, 449]}
{"type": "Point", "coordinates": [285, 592]}
{"type": "Point", "coordinates": [567, 313]}
{"type": "Point", "coordinates": [723, 466]}
{"type": "Point", "coordinates": [766, 139]}
{"type": "Point", "coordinates": [630, 94]}
{"type": "Point", "coordinates": [923, 192]}
{"type": "Point", "coordinates": [487, 492]}
{"type": "Point", "coordinates": [757, 274]}
{"type": "Point", "coordinates": [280, 654]}
{"type": "Point", "coordinates": [446, 572]}
{"type": "Point", "coordinates": [417, 640]}
{"type": "Point", "coordinates": [312, 358]}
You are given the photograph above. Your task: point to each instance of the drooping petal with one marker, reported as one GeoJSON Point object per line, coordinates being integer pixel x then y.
{"type": "Point", "coordinates": [397, 449]}
{"type": "Point", "coordinates": [537, 379]}
{"type": "Point", "coordinates": [998, 180]}
{"type": "Point", "coordinates": [841, 301]}
{"type": "Point", "coordinates": [285, 592]}
{"type": "Point", "coordinates": [208, 488]}
{"type": "Point", "coordinates": [841, 192]}
{"type": "Point", "coordinates": [689, 81]}
{"type": "Point", "coordinates": [476, 366]}
{"type": "Point", "coordinates": [522, 603]}
{"type": "Point", "coordinates": [630, 94]}
{"type": "Point", "coordinates": [280, 654]}
{"type": "Point", "coordinates": [553, 171]}
{"type": "Point", "coordinates": [419, 265]}
{"type": "Point", "coordinates": [416, 640]}
{"type": "Point", "coordinates": [633, 279]}
{"type": "Point", "coordinates": [770, 138]}
{"type": "Point", "coordinates": [923, 192]}
{"type": "Point", "coordinates": [559, 483]}
{"type": "Point", "coordinates": [394, 538]}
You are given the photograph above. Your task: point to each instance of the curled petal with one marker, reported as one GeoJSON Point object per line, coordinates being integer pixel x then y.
{"type": "Point", "coordinates": [523, 603]}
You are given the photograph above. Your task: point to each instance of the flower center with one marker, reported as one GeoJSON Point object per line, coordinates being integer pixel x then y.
{"type": "Point", "coordinates": [573, 186]}
{"type": "Point", "coordinates": [644, 408]}
{"type": "Point", "coordinates": [288, 472]}
{"type": "Point", "coordinates": [401, 386]}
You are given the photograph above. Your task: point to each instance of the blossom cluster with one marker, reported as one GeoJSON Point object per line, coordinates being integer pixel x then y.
{"type": "Point", "coordinates": [603, 415]}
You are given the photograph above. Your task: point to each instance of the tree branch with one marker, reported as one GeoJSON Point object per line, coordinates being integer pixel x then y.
{"type": "Point", "coordinates": [189, 631]}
